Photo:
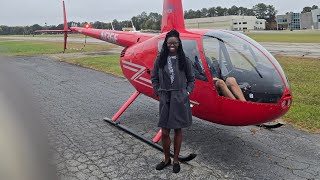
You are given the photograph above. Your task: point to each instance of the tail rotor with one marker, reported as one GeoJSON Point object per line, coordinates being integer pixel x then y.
{"type": "Point", "coordinates": [65, 28]}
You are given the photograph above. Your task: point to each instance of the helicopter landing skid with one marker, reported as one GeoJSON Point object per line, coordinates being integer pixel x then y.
{"type": "Point", "coordinates": [114, 121]}
{"type": "Point", "coordinates": [271, 125]}
{"type": "Point", "coordinates": [151, 143]}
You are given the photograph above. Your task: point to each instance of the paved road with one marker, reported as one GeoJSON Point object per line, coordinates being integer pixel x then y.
{"type": "Point", "coordinates": [74, 101]}
{"type": "Point", "coordinates": [311, 50]}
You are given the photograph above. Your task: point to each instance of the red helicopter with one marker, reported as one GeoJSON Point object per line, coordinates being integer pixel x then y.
{"type": "Point", "coordinates": [259, 75]}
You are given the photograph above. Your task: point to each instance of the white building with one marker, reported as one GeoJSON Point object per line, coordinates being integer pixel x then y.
{"type": "Point", "coordinates": [316, 18]}
{"type": "Point", "coordinates": [236, 23]}
{"type": "Point", "coordinates": [297, 21]}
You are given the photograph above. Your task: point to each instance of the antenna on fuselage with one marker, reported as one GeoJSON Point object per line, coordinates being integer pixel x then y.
{"type": "Point", "coordinates": [134, 28]}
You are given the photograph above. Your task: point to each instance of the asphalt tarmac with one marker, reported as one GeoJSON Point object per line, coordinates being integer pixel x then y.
{"type": "Point", "coordinates": [73, 102]}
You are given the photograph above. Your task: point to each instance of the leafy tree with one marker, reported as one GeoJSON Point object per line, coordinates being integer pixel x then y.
{"type": "Point", "coordinates": [60, 26]}
{"type": "Point", "coordinates": [116, 25]}
{"type": "Point", "coordinates": [306, 9]}
{"type": "Point", "coordinates": [156, 19]}
{"type": "Point", "coordinates": [139, 20]}
{"type": "Point", "coordinates": [221, 11]}
{"type": "Point", "coordinates": [271, 12]}
{"type": "Point", "coordinates": [5, 30]}
{"type": "Point", "coordinates": [246, 12]}
{"type": "Point", "coordinates": [198, 14]}
{"type": "Point", "coordinates": [260, 10]}
{"type": "Point", "coordinates": [190, 14]}
{"type": "Point", "coordinates": [234, 10]}
{"type": "Point", "coordinates": [36, 27]}
{"type": "Point", "coordinates": [98, 25]}
{"type": "Point", "coordinates": [212, 12]}
{"type": "Point", "coordinates": [204, 12]}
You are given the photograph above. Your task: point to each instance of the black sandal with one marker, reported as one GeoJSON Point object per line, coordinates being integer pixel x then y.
{"type": "Point", "coordinates": [163, 164]}
{"type": "Point", "coordinates": [176, 167]}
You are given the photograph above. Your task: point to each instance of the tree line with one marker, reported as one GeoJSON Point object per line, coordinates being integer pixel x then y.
{"type": "Point", "coordinates": [152, 21]}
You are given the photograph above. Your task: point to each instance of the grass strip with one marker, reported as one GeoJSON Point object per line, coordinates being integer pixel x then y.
{"type": "Point", "coordinates": [30, 48]}
{"type": "Point", "coordinates": [108, 64]}
{"type": "Point", "coordinates": [303, 74]}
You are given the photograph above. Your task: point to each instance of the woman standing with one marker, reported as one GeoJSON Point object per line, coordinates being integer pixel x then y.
{"type": "Point", "coordinates": [173, 81]}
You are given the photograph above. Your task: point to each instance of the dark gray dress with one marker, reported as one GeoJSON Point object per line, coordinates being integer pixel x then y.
{"type": "Point", "coordinates": [174, 108]}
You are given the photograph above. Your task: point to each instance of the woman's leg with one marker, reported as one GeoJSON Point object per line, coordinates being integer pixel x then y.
{"type": "Point", "coordinates": [234, 87]}
{"type": "Point", "coordinates": [166, 143]}
{"type": "Point", "coordinates": [177, 144]}
{"type": "Point", "coordinates": [224, 89]}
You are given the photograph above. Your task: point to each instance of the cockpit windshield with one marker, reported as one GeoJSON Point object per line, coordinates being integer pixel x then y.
{"type": "Point", "coordinates": [254, 69]}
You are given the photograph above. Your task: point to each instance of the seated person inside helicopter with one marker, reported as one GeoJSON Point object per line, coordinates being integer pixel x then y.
{"type": "Point", "coordinates": [228, 86]}
{"type": "Point", "coordinates": [199, 70]}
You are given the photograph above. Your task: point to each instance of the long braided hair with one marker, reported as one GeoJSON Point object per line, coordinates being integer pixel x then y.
{"type": "Point", "coordinates": [165, 51]}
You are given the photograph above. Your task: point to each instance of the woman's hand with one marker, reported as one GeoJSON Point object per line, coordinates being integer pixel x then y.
{"type": "Point", "coordinates": [215, 79]}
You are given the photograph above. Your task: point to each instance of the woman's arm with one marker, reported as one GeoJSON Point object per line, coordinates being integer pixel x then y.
{"type": "Point", "coordinates": [189, 75]}
{"type": "Point", "coordinates": [155, 76]}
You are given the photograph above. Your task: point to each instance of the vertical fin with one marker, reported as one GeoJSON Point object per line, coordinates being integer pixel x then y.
{"type": "Point", "coordinates": [65, 23]}
{"type": "Point", "coordinates": [172, 16]}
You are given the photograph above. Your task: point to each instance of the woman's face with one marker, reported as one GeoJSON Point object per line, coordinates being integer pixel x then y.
{"type": "Point", "coordinates": [173, 44]}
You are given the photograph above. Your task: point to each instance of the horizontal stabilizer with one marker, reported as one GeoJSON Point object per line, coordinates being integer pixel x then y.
{"type": "Point", "coordinates": [62, 31]}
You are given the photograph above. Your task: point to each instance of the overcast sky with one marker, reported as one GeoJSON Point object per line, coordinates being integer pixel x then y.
{"type": "Point", "coordinates": [29, 12]}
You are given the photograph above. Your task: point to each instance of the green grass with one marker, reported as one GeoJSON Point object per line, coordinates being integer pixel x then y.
{"type": "Point", "coordinates": [47, 35]}
{"type": "Point", "coordinates": [286, 37]}
{"type": "Point", "coordinates": [303, 74]}
{"type": "Point", "coordinates": [109, 63]}
{"type": "Point", "coordinates": [30, 48]}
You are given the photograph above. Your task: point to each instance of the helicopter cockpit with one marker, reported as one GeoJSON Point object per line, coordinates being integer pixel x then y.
{"type": "Point", "coordinates": [255, 69]}
{"type": "Point", "coordinates": [232, 54]}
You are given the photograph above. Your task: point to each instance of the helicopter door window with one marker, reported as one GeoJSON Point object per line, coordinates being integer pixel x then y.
{"type": "Point", "coordinates": [221, 67]}
{"type": "Point", "coordinates": [254, 69]}
{"type": "Point", "coordinates": [191, 51]}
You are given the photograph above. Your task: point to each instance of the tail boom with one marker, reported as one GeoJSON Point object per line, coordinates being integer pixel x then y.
{"type": "Point", "coordinates": [120, 38]}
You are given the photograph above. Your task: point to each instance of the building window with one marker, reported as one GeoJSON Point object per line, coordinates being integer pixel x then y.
{"type": "Point", "coordinates": [245, 28]}
{"type": "Point", "coordinates": [244, 22]}
{"type": "Point", "coordinates": [239, 22]}
{"type": "Point", "coordinates": [260, 22]}
{"type": "Point", "coordinates": [235, 23]}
